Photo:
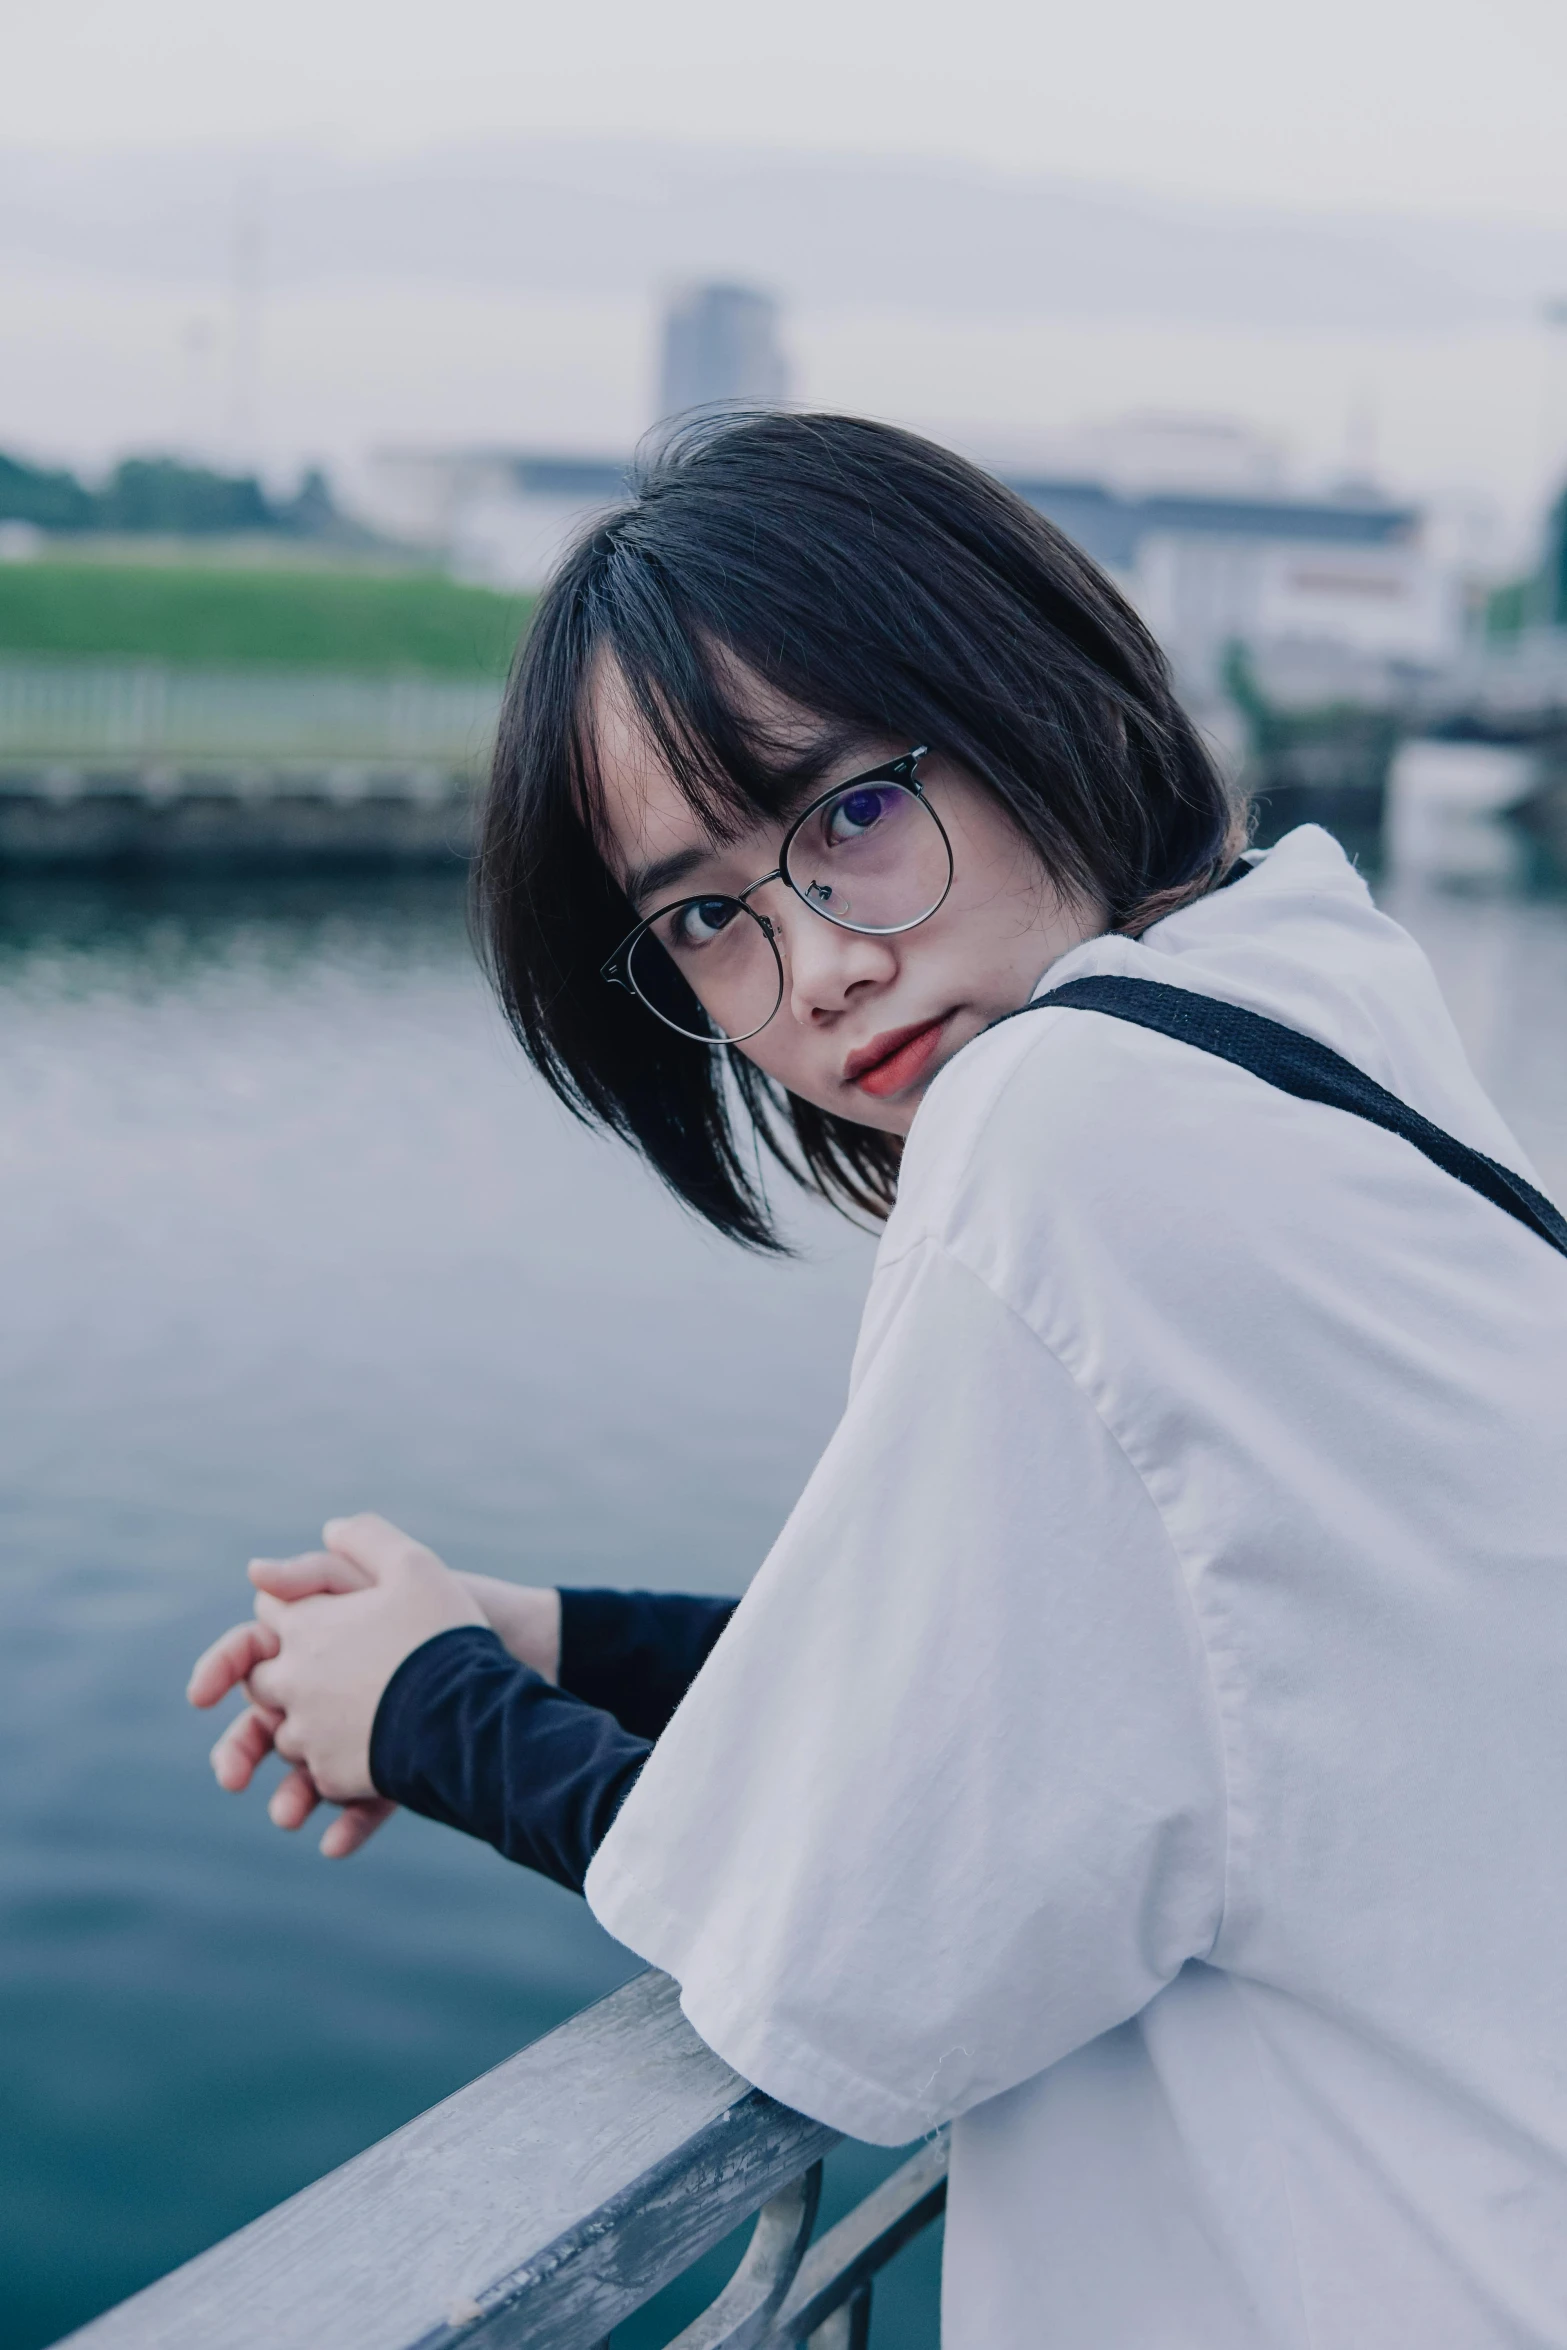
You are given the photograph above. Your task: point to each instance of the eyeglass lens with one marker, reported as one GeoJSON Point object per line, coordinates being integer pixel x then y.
{"type": "Point", "coordinates": [871, 858]}
{"type": "Point", "coordinates": [708, 968]}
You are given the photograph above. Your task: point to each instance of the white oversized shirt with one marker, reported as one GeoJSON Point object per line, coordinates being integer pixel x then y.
{"type": "Point", "coordinates": [1147, 1740]}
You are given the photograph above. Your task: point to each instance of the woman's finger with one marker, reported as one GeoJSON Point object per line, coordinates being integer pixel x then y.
{"type": "Point", "coordinates": [261, 1685]}
{"type": "Point", "coordinates": [293, 1799]}
{"type": "Point", "coordinates": [354, 1825]}
{"type": "Point", "coordinates": [273, 1613]}
{"type": "Point", "coordinates": [304, 1577]}
{"type": "Point", "coordinates": [372, 1543]}
{"type": "Point", "coordinates": [230, 1660]}
{"type": "Point", "coordinates": [243, 1748]}
{"type": "Point", "coordinates": [287, 1744]}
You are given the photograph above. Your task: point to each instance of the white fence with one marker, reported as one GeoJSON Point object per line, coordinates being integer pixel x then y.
{"type": "Point", "coordinates": [133, 715]}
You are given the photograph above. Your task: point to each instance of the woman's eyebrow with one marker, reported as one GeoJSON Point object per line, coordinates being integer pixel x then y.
{"type": "Point", "coordinates": [646, 881]}
{"type": "Point", "coordinates": [796, 781]}
{"type": "Point", "coordinates": [809, 770]}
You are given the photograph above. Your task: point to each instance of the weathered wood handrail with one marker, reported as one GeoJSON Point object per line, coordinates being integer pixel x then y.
{"type": "Point", "coordinates": [542, 2205]}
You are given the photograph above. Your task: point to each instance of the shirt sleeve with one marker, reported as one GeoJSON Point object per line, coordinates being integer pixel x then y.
{"type": "Point", "coordinates": [466, 1735]}
{"type": "Point", "coordinates": [948, 1801]}
{"type": "Point", "coordinates": [636, 1653]}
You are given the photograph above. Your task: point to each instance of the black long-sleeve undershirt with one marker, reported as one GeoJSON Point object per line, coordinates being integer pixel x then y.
{"type": "Point", "coordinates": [636, 1653]}
{"type": "Point", "coordinates": [468, 1736]}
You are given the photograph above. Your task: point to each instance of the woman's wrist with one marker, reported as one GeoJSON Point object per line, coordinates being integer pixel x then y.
{"type": "Point", "coordinates": [525, 1618]}
{"type": "Point", "coordinates": [470, 1735]}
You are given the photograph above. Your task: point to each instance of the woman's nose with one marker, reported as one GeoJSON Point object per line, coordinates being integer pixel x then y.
{"type": "Point", "coordinates": [824, 964]}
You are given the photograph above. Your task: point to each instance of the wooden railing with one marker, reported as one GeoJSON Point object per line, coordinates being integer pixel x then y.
{"type": "Point", "coordinates": [543, 2204]}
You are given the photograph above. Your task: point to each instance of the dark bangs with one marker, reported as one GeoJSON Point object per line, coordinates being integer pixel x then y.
{"type": "Point", "coordinates": [893, 590]}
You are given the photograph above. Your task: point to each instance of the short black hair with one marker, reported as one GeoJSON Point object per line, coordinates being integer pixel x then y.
{"type": "Point", "coordinates": [891, 588]}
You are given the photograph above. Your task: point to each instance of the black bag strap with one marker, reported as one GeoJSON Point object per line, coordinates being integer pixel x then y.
{"type": "Point", "coordinates": [1311, 1071]}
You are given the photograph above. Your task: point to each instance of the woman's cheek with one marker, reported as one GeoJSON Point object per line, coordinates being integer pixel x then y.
{"type": "Point", "coordinates": [783, 1069]}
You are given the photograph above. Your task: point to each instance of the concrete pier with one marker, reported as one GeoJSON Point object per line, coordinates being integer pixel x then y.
{"type": "Point", "coordinates": [121, 762]}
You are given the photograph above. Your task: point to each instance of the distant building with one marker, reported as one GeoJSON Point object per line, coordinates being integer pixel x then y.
{"type": "Point", "coordinates": [720, 344]}
{"type": "Point", "coordinates": [1346, 574]}
{"type": "Point", "coordinates": [1192, 517]}
{"type": "Point", "coordinates": [501, 516]}
{"type": "Point", "coordinates": [504, 515]}
{"type": "Point", "coordinates": [1156, 449]}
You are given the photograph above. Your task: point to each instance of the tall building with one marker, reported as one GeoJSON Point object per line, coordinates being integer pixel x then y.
{"type": "Point", "coordinates": [720, 344]}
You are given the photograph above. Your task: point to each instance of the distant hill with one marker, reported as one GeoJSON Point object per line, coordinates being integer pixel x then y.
{"type": "Point", "coordinates": [224, 617]}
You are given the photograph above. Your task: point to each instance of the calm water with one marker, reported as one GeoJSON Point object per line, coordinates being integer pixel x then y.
{"type": "Point", "coordinates": [289, 1230]}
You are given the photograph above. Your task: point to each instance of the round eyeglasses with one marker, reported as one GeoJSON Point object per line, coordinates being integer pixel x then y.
{"type": "Point", "coordinates": [870, 855]}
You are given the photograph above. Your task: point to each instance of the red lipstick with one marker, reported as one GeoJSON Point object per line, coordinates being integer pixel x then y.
{"type": "Point", "coordinates": [898, 1059]}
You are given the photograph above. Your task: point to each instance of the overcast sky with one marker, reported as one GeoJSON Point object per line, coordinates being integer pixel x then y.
{"type": "Point", "coordinates": [1419, 105]}
{"type": "Point", "coordinates": [427, 278]}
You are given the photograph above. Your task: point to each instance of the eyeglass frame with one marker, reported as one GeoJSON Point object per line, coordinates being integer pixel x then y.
{"type": "Point", "coordinates": [903, 771]}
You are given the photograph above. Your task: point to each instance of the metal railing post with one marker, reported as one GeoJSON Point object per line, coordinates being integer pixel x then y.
{"type": "Point", "coordinates": [848, 2328]}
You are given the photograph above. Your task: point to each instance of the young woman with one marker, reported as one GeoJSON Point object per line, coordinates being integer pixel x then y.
{"type": "Point", "coordinates": [1146, 1742]}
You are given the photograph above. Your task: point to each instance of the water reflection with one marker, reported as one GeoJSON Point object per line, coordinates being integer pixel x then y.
{"type": "Point", "coordinates": [289, 1230]}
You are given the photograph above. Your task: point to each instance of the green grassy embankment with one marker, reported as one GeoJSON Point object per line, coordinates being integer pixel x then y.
{"type": "Point", "coordinates": [220, 618]}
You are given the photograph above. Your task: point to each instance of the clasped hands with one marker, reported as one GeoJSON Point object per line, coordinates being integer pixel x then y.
{"type": "Point", "coordinates": [331, 1627]}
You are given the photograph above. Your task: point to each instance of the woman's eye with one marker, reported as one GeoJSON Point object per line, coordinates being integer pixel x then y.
{"type": "Point", "coordinates": [700, 920]}
{"type": "Point", "coordinates": [853, 815]}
